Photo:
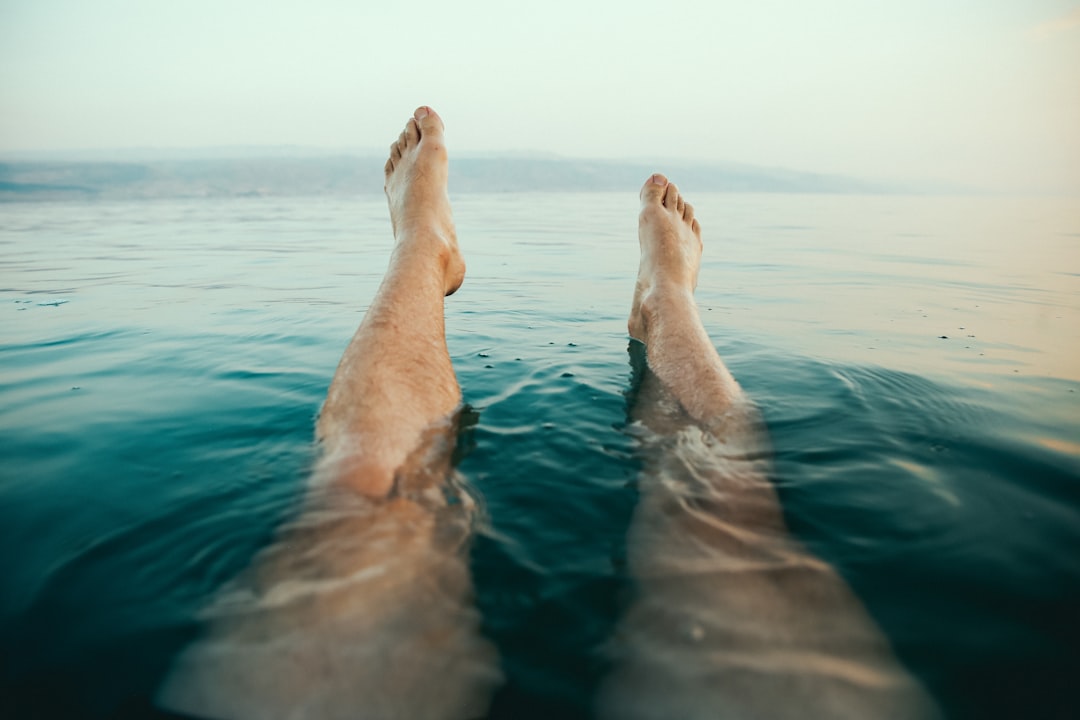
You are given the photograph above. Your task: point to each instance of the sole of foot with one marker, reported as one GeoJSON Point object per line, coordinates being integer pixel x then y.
{"type": "Point", "coordinates": [670, 240]}
{"type": "Point", "coordinates": [416, 190]}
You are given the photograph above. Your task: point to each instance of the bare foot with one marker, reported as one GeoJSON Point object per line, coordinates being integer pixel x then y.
{"type": "Point", "coordinates": [416, 177]}
{"type": "Point", "coordinates": [670, 241]}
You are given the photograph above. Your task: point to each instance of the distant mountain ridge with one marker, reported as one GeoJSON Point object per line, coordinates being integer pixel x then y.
{"type": "Point", "coordinates": [297, 175]}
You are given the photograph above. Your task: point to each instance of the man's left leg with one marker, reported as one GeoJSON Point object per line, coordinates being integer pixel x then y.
{"type": "Point", "coordinates": [362, 608]}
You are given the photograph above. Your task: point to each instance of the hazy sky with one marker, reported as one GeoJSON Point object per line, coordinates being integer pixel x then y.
{"type": "Point", "coordinates": [980, 92]}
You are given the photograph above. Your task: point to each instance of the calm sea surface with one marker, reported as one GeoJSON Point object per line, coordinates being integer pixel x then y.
{"type": "Point", "coordinates": [917, 361]}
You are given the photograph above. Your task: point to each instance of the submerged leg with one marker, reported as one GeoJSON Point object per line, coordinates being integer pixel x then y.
{"type": "Point", "coordinates": [732, 617]}
{"type": "Point", "coordinates": [362, 606]}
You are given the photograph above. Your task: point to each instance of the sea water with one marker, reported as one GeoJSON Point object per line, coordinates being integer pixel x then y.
{"type": "Point", "coordinates": [917, 361]}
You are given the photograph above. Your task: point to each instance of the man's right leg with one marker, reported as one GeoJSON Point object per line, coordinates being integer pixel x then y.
{"type": "Point", "coordinates": [733, 619]}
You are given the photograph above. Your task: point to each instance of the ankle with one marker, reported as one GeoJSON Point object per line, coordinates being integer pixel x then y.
{"type": "Point", "coordinates": [429, 252]}
{"type": "Point", "coordinates": [659, 301]}
{"type": "Point", "coordinates": [663, 298]}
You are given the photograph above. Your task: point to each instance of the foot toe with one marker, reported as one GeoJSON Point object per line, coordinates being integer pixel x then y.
{"type": "Point", "coordinates": [412, 132]}
{"type": "Point", "coordinates": [671, 199]}
{"type": "Point", "coordinates": [395, 152]}
{"type": "Point", "coordinates": [696, 227]}
{"type": "Point", "coordinates": [653, 190]}
{"type": "Point", "coordinates": [688, 212]}
{"type": "Point", "coordinates": [428, 122]}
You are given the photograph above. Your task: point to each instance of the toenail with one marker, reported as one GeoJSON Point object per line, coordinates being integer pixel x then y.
{"type": "Point", "coordinates": [659, 179]}
{"type": "Point", "coordinates": [421, 113]}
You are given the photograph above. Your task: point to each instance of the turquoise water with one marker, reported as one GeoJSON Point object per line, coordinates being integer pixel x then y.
{"type": "Point", "coordinates": [161, 365]}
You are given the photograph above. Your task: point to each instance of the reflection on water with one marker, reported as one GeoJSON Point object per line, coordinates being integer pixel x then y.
{"type": "Point", "coordinates": [156, 427]}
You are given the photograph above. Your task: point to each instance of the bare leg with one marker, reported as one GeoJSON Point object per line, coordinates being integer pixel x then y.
{"type": "Point", "coordinates": [395, 378]}
{"type": "Point", "coordinates": [362, 607]}
{"type": "Point", "coordinates": [733, 618]}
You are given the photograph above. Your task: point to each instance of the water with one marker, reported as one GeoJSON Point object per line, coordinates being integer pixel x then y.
{"type": "Point", "coordinates": [162, 363]}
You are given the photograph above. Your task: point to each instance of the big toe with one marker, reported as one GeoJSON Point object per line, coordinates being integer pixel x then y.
{"type": "Point", "coordinates": [653, 190]}
{"type": "Point", "coordinates": [431, 125]}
